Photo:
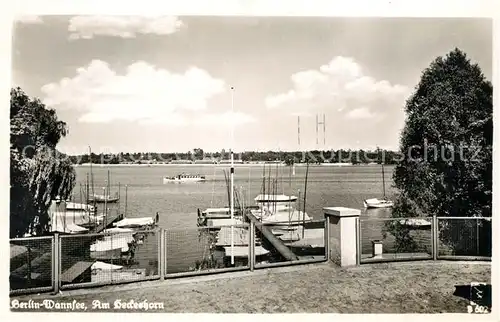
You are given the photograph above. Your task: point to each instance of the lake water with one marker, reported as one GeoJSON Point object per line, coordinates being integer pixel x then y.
{"type": "Point", "coordinates": [177, 204]}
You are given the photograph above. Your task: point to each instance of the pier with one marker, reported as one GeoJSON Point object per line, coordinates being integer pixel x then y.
{"type": "Point", "coordinates": [108, 221]}
{"type": "Point", "coordinates": [271, 238]}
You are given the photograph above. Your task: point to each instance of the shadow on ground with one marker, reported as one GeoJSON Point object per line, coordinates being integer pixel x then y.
{"type": "Point", "coordinates": [479, 294]}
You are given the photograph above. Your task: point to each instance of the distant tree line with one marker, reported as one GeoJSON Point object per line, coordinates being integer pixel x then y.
{"type": "Point", "coordinates": [315, 156]}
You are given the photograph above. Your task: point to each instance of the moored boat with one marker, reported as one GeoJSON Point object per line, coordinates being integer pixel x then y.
{"type": "Point", "coordinates": [378, 203]}
{"type": "Point", "coordinates": [111, 247]}
{"type": "Point", "coordinates": [104, 198]}
{"type": "Point", "coordinates": [242, 251]}
{"type": "Point", "coordinates": [80, 206]}
{"type": "Point", "coordinates": [279, 210]}
{"type": "Point", "coordinates": [134, 222]}
{"type": "Point", "coordinates": [415, 223]}
{"type": "Point", "coordinates": [61, 217]}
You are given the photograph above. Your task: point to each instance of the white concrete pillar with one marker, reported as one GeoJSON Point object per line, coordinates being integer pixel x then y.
{"type": "Point", "coordinates": [343, 235]}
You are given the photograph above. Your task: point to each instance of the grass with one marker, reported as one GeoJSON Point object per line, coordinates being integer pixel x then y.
{"type": "Point", "coordinates": [413, 287]}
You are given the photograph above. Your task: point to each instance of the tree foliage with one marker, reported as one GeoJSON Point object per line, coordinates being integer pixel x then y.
{"type": "Point", "coordinates": [447, 147]}
{"type": "Point", "coordinates": [38, 172]}
{"type": "Point", "coordinates": [447, 142]}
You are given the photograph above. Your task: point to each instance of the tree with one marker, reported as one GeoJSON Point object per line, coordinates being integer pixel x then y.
{"type": "Point", "coordinates": [447, 142]}
{"type": "Point", "coordinates": [450, 120]}
{"type": "Point", "coordinates": [199, 154]}
{"type": "Point", "coordinates": [289, 161]}
{"type": "Point", "coordinates": [39, 172]}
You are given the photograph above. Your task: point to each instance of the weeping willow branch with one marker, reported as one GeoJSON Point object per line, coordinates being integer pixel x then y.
{"type": "Point", "coordinates": [39, 172]}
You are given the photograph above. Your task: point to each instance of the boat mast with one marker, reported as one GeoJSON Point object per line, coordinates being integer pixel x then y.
{"type": "Point", "coordinates": [87, 192]}
{"type": "Point", "coordinates": [290, 191]}
{"type": "Point", "coordinates": [119, 191]}
{"type": "Point", "coordinates": [304, 210]}
{"type": "Point", "coordinates": [263, 191]}
{"type": "Point", "coordinates": [91, 173]}
{"type": "Point", "coordinates": [232, 179]}
{"type": "Point", "coordinates": [269, 189]}
{"type": "Point", "coordinates": [105, 208]}
{"type": "Point", "coordinates": [276, 186]}
{"type": "Point", "coordinates": [383, 178]}
{"type": "Point", "coordinates": [126, 193]}
{"type": "Point", "coordinates": [109, 186]}
{"type": "Point", "coordinates": [249, 180]}
{"type": "Point", "coordinates": [383, 174]}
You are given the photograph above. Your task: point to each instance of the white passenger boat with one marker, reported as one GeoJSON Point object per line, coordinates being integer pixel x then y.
{"type": "Point", "coordinates": [184, 178]}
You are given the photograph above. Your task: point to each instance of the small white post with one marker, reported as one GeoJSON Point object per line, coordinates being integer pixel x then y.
{"type": "Point", "coordinates": [342, 239]}
{"type": "Point", "coordinates": [377, 248]}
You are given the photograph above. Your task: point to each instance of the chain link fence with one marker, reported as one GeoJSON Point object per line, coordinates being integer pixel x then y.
{"type": "Point", "coordinates": [390, 239]}
{"type": "Point", "coordinates": [464, 238]}
{"type": "Point", "coordinates": [121, 255]}
{"type": "Point", "coordinates": [108, 258]}
{"type": "Point", "coordinates": [206, 249]}
{"type": "Point", "coordinates": [31, 263]}
{"type": "Point", "coordinates": [289, 242]}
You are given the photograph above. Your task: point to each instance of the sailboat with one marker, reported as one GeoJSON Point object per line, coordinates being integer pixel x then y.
{"type": "Point", "coordinates": [101, 198]}
{"type": "Point", "coordinates": [104, 198]}
{"type": "Point", "coordinates": [379, 202]}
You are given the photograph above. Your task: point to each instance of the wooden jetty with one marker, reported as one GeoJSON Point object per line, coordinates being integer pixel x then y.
{"type": "Point", "coordinates": [111, 218]}
{"type": "Point", "coordinates": [271, 238]}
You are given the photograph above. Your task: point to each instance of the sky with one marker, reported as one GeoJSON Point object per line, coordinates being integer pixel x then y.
{"type": "Point", "coordinates": [172, 84]}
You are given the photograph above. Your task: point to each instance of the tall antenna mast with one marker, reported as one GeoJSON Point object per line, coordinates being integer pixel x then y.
{"type": "Point", "coordinates": [298, 130]}
{"type": "Point", "coordinates": [232, 179]}
{"type": "Point", "coordinates": [318, 123]}
{"type": "Point", "coordinates": [324, 130]}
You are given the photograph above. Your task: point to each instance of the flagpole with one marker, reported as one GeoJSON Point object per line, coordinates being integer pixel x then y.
{"type": "Point", "coordinates": [232, 179]}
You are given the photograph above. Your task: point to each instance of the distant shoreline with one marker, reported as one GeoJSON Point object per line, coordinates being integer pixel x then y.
{"type": "Point", "coordinates": [225, 165]}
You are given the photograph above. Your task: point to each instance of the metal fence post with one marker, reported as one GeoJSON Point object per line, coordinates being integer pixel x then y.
{"type": "Point", "coordinates": [327, 237]}
{"type": "Point", "coordinates": [165, 254]}
{"type": "Point", "coordinates": [56, 263]}
{"type": "Point", "coordinates": [435, 232]}
{"type": "Point", "coordinates": [161, 249]}
{"type": "Point", "coordinates": [251, 244]}
{"type": "Point", "coordinates": [477, 238]}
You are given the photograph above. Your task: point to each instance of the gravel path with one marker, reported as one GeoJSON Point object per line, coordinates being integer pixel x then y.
{"type": "Point", "coordinates": [418, 287]}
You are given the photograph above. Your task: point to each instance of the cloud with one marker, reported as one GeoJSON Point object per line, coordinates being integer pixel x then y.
{"type": "Point", "coordinates": [361, 113]}
{"type": "Point", "coordinates": [86, 27]}
{"type": "Point", "coordinates": [28, 19]}
{"type": "Point", "coordinates": [225, 119]}
{"type": "Point", "coordinates": [342, 88]}
{"type": "Point", "coordinates": [144, 94]}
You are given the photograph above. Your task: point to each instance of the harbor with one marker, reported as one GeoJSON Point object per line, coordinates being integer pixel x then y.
{"type": "Point", "coordinates": [115, 230]}
{"type": "Point", "coordinates": [178, 206]}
